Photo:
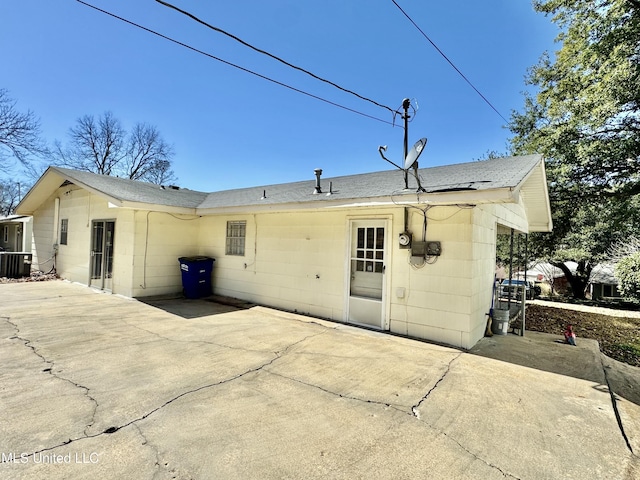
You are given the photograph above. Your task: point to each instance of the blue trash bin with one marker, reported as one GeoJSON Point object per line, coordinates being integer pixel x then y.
{"type": "Point", "coordinates": [196, 276]}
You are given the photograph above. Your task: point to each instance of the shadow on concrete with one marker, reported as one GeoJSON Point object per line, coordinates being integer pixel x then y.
{"type": "Point", "coordinates": [543, 351]}
{"type": "Point", "coordinates": [195, 308]}
{"type": "Point", "coordinates": [547, 352]}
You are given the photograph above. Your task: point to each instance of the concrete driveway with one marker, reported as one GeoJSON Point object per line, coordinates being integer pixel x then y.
{"type": "Point", "coordinates": [97, 386]}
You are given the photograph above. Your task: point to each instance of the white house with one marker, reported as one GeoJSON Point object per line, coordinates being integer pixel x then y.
{"type": "Point", "coordinates": [15, 233]}
{"type": "Point", "coordinates": [358, 249]}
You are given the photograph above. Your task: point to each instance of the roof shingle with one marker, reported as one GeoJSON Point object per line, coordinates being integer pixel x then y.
{"type": "Point", "coordinates": [492, 174]}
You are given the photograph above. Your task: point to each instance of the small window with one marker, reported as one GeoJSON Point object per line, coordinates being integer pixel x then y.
{"type": "Point", "coordinates": [64, 227]}
{"type": "Point", "coordinates": [236, 233]}
{"type": "Point", "coordinates": [6, 234]}
{"type": "Point", "coordinates": [610, 290]}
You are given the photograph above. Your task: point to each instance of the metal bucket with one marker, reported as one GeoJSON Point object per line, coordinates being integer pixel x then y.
{"type": "Point", "coordinates": [500, 321]}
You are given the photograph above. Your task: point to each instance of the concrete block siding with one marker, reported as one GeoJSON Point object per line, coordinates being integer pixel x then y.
{"type": "Point", "coordinates": [298, 245]}
{"type": "Point", "coordinates": [295, 260]}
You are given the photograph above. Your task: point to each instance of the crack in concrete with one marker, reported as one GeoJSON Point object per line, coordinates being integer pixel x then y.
{"type": "Point", "coordinates": [415, 413]}
{"type": "Point", "coordinates": [277, 355]}
{"type": "Point", "coordinates": [614, 404]}
{"type": "Point", "coordinates": [414, 409]}
{"type": "Point", "coordinates": [145, 442]}
{"type": "Point", "coordinates": [50, 370]}
{"type": "Point", "coordinates": [487, 463]}
{"type": "Point", "coordinates": [412, 413]}
{"type": "Point", "coordinates": [347, 397]}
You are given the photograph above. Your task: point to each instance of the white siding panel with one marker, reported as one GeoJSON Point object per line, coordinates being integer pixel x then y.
{"type": "Point", "coordinates": [160, 240]}
{"type": "Point", "coordinates": [293, 260]}
{"type": "Point", "coordinates": [296, 261]}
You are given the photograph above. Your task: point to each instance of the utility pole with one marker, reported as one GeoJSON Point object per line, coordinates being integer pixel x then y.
{"type": "Point", "coordinates": [406, 103]}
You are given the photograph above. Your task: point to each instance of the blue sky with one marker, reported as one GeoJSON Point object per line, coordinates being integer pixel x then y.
{"type": "Point", "coordinates": [62, 60]}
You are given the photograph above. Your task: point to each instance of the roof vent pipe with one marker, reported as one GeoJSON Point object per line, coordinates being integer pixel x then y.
{"type": "Point", "coordinates": [318, 172]}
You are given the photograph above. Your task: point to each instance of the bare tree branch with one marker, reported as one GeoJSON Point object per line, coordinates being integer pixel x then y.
{"type": "Point", "coordinates": [95, 146]}
{"type": "Point", "coordinates": [103, 146]}
{"type": "Point", "coordinates": [147, 151]}
{"type": "Point", "coordinates": [19, 133]}
{"type": "Point", "coordinates": [623, 249]}
{"type": "Point", "coordinates": [10, 192]}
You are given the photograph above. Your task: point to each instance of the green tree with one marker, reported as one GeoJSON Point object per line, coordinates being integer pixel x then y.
{"type": "Point", "coordinates": [585, 120]}
{"type": "Point", "coordinates": [627, 272]}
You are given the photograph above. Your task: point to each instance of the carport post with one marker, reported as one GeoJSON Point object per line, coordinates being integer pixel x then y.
{"type": "Point", "coordinates": [510, 270]}
{"type": "Point", "coordinates": [522, 308]}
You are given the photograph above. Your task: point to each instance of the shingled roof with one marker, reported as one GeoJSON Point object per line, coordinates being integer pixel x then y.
{"type": "Point", "coordinates": [489, 181]}
{"type": "Point", "coordinates": [499, 173]}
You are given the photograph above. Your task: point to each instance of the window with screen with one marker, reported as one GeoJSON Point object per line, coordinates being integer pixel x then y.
{"type": "Point", "coordinates": [236, 233]}
{"type": "Point", "coordinates": [64, 227]}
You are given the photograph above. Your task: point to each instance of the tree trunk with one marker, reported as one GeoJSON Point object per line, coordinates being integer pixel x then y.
{"type": "Point", "coordinates": [579, 280]}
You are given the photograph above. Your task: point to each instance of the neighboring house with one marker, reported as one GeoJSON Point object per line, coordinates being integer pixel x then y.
{"type": "Point", "coordinates": [15, 233]}
{"type": "Point", "coordinates": [603, 283]}
{"type": "Point", "coordinates": [552, 275]}
{"type": "Point", "coordinates": [358, 249]}
{"type": "Point", "coordinates": [15, 246]}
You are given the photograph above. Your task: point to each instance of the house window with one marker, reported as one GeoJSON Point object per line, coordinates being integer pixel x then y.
{"type": "Point", "coordinates": [64, 227]}
{"type": "Point", "coordinates": [236, 233]}
{"type": "Point", "coordinates": [610, 290]}
{"type": "Point", "coordinates": [5, 237]}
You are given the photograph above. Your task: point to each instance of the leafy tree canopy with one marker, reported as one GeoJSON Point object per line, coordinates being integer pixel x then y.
{"type": "Point", "coordinates": [585, 120]}
{"type": "Point", "coordinates": [627, 272]}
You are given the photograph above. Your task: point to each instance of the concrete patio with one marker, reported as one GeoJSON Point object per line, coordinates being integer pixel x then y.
{"type": "Point", "coordinates": [98, 386]}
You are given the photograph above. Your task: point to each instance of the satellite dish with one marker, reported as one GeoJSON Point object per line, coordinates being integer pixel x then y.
{"type": "Point", "coordinates": [414, 153]}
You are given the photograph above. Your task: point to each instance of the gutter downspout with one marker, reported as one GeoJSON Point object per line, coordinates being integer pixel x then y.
{"type": "Point", "coordinates": [56, 233]}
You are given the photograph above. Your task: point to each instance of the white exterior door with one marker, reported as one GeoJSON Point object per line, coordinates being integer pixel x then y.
{"type": "Point", "coordinates": [366, 273]}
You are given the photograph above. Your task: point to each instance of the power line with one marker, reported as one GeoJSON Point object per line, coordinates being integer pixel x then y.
{"type": "Point", "coordinates": [448, 60]}
{"type": "Point", "coordinates": [213, 57]}
{"type": "Point", "coordinates": [264, 52]}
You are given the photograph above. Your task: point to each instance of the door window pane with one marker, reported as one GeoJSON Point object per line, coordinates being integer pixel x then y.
{"type": "Point", "coordinates": [380, 238]}
{"type": "Point", "coordinates": [369, 246]}
{"type": "Point", "coordinates": [97, 249]}
{"type": "Point", "coordinates": [109, 249]}
{"type": "Point", "coordinates": [370, 237]}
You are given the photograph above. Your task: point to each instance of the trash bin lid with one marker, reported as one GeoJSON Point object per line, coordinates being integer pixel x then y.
{"type": "Point", "coordinates": [195, 259]}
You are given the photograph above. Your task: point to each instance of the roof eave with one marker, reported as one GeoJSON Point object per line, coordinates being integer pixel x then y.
{"type": "Point", "coordinates": [154, 207]}
{"type": "Point", "coordinates": [543, 221]}
{"type": "Point", "coordinates": [47, 184]}
{"type": "Point", "coordinates": [108, 197]}
{"type": "Point", "coordinates": [474, 197]}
